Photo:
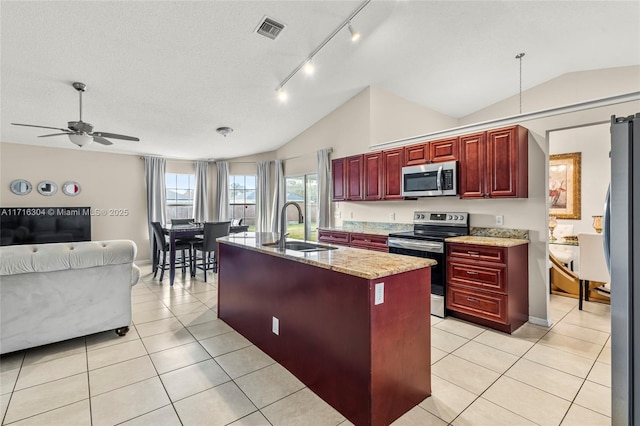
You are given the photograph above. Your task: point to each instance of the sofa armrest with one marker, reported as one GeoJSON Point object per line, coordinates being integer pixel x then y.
{"type": "Point", "coordinates": [135, 275]}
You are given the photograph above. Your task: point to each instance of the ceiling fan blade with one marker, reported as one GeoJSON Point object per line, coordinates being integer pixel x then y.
{"type": "Point", "coordinates": [101, 140]}
{"type": "Point", "coordinates": [41, 127]}
{"type": "Point", "coordinates": [55, 134]}
{"type": "Point", "coordinates": [115, 136]}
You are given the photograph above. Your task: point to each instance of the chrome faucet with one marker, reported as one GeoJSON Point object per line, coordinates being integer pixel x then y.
{"type": "Point", "coordinates": [283, 222]}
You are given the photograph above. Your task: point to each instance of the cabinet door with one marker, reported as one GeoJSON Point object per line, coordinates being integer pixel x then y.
{"type": "Point", "coordinates": [444, 150]}
{"type": "Point", "coordinates": [354, 167]}
{"type": "Point", "coordinates": [369, 242]}
{"type": "Point", "coordinates": [392, 162]}
{"type": "Point", "coordinates": [472, 177]}
{"type": "Point", "coordinates": [480, 304]}
{"type": "Point", "coordinates": [338, 172]}
{"type": "Point", "coordinates": [373, 176]}
{"type": "Point", "coordinates": [507, 166]}
{"type": "Point", "coordinates": [333, 237]}
{"type": "Point", "coordinates": [416, 154]}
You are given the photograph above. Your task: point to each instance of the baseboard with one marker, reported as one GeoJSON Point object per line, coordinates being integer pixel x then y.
{"type": "Point", "coordinates": [540, 321]}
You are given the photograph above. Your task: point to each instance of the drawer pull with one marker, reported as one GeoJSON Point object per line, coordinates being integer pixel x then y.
{"type": "Point", "coordinates": [475, 253]}
{"type": "Point", "coordinates": [472, 300]}
{"type": "Point", "coordinates": [472, 273]}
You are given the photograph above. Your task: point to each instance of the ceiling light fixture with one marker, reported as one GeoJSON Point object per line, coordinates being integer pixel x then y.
{"type": "Point", "coordinates": [309, 68]}
{"type": "Point", "coordinates": [282, 95]}
{"type": "Point", "coordinates": [519, 56]}
{"type": "Point", "coordinates": [80, 139]}
{"type": "Point", "coordinates": [224, 131]}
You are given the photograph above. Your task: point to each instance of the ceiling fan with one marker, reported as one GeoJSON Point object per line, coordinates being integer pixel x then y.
{"type": "Point", "coordinates": [81, 133]}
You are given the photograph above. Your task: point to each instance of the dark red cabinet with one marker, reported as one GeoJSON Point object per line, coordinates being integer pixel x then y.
{"type": "Point", "coordinates": [338, 176]}
{"type": "Point", "coordinates": [373, 173]}
{"type": "Point", "coordinates": [392, 162]}
{"type": "Point", "coordinates": [355, 172]}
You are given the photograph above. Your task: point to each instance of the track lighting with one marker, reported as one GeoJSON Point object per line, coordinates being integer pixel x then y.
{"type": "Point", "coordinates": [282, 94]}
{"type": "Point", "coordinates": [309, 68]}
{"type": "Point", "coordinates": [355, 35]}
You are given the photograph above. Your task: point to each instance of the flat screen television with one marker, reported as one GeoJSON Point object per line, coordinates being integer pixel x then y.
{"type": "Point", "coordinates": [36, 225]}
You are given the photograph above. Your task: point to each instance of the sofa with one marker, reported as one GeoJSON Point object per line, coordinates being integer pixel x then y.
{"type": "Point", "coordinates": [54, 292]}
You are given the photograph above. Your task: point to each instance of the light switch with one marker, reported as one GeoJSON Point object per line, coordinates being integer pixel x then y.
{"type": "Point", "coordinates": [379, 296]}
{"type": "Point", "coordinates": [275, 326]}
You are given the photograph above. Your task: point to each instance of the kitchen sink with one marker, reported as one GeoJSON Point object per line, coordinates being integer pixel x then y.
{"type": "Point", "coordinates": [301, 246]}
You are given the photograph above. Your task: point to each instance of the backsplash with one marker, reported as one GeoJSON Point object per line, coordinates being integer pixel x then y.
{"type": "Point", "coordinates": [500, 233]}
{"type": "Point", "coordinates": [357, 226]}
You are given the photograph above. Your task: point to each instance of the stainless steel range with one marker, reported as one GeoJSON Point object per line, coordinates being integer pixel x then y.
{"type": "Point", "coordinates": [427, 240]}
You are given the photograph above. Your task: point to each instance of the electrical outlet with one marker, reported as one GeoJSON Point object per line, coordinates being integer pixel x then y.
{"type": "Point", "coordinates": [379, 293]}
{"type": "Point", "coordinates": [275, 326]}
{"type": "Point", "coordinates": [499, 219]}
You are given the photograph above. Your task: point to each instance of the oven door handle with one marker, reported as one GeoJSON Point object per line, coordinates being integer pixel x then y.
{"type": "Point", "coordinates": [433, 247]}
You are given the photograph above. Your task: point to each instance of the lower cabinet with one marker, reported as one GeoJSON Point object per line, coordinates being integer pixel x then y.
{"type": "Point", "coordinates": [333, 237]}
{"type": "Point", "coordinates": [354, 239]}
{"type": "Point", "coordinates": [488, 285]}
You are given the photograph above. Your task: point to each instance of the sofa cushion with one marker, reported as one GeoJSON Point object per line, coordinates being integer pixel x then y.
{"type": "Point", "coordinates": [24, 259]}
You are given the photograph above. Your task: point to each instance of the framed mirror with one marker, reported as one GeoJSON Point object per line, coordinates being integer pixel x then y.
{"type": "Point", "coordinates": [20, 186]}
{"type": "Point", "coordinates": [47, 187]}
{"type": "Point", "coordinates": [71, 188]}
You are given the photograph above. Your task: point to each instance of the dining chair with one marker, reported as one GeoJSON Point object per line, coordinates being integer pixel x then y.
{"type": "Point", "coordinates": [188, 240]}
{"type": "Point", "coordinates": [163, 245]}
{"type": "Point", "coordinates": [593, 272]}
{"type": "Point", "coordinates": [209, 246]}
{"type": "Point", "coordinates": [564, 254]}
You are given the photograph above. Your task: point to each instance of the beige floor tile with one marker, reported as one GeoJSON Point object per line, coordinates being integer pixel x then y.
{"type": "Point", "coordinates": [4, 404]}
{"type": "Point", "coordinates": [108, 338]}
{"type": "Point", "coordinates": [43, 372]}
{"type": "Point", "coordinates": [571, 345]}
{"type": "Point", "coordinates": [217, 406]}
{"type": "Point", "coordinates": [486, 356]}
{"type": "Point", "coordinates": [188, 308]}
{"type": "Point", "coordinates": [529, 401]}
{"type": "Point", "coordinates": [173, 300]}
{"type": "Point", "coordinates": [435, 320]}
{"type": "Point", "coordinates": [128, 402]}
{"type": "Point", "coordinates": [437, 355]}
{"type": "Point", "coordinates": [562, 302]}
{"type": "Point", "coordinates": [147, 306]}
{"type": "Point", "coordinates": [224, 343]}
{"type": "Point", "coordinates": [54, 351]}
{"type": "Point", "coordinates": [269, 384]}
{"type": "Point", "coordinates": [11, 361]}
{"type": "Point", "coordinates": [152, 315]}
{"type": "Point", "coordinates": [253, 419]}
{"type": "Point", "coordinates": [557, 315]}
{"type": "Point", "coordinates": [121, 374]}
{"type": "Point", "coordinates": [302, 408]}
{"type": "Point", "coordinates": [591, 316]}
{"type": "Point", "coordinates": [115, 353]}
{"type": "Point", "coordinates": [76, 414]}
{"type": "Point", "coordinates": [178, 357]}
{"type": "Point", "coordinates": [546, 378]}
{"type": "Point", "coordinates": [595, 397]}
{"type": "Point", "coordinates": [581, 333]}
{"type": "Point", "coordinates": [418, 417]}
{"type": "Point", "coordinates": [209, 329]}
{"type": "Point", "coordinates": [447, 400]}
{"type": "Point", "coordinates": [48, 396]}
{"type": "Point", "coordinates": [605, 355]}
{"type": "Point", "coordinates": [580, 416]}
{"type": "Point", "coordinates": [460, 328]}
{"type": "Point", "coordinates": [165, 416]}
{"type": "Point", "coordinates": [530, 332]}
{"type": "Point", "coordinates": [148, 296]}
{"type": "Point", "coordinates": [158, 327]}
{"type": "Point", "coordinates": [467, 375]}
{"type": "Point", "coordinates": [560, 360]}
{"type": "Point", "coordinates": [171, 339]}
{"type": "Point", "coordinates": [446, 341]}
{"type": "Point", "coordinates": [504, 342]}
{"type": "Point", "coordinates": [196, 318]}
{"type": "Point", "coordinates": [485, 413]}
{"type": "Point", "coordinates": [8, 380]}
{"type": "Point", "coordinates": [244, 361]}
{"type": "Point", "coordinates": [195, 378]}
{"type": "Point", "coordinates": [601, 374]}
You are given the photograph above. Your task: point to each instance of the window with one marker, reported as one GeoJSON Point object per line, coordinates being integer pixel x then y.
{"type": "Point", "coordinates": [180, 189]}
{"type": "Point", "coordinates": [304, 191]}
{"type": "Point", "coordinates": [242, 199]}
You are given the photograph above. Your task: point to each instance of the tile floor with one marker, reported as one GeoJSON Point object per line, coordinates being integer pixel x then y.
{"type": "Point", "coordinates": [179, 364]}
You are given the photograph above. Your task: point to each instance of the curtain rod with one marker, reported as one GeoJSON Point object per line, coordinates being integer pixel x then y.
{"type": "Point", "coordinates": [238, 162]}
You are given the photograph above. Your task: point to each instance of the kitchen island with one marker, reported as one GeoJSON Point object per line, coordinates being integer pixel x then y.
{"type": "Point", "coordinates": [353, 325]}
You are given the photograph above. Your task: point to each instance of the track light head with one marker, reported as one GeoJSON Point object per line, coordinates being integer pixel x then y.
{"type": "Point", "coordinates": [282, 94]}
{"type": "Point", "coordinates": [355, 35]}
{"type": "Point", "coordinates": [309, 67]}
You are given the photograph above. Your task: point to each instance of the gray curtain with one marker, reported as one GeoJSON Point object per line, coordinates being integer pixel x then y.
{"type": "Point", "coordinates": [278, 195]}
{"type": "Point", "coordinates": [154, 173]}
{"type": "Point", "coordinates": [324, 188]}
{"type": "Point", "coordinates": [222, 190]}
{"type": "Point", "coordinates": [201, 198]}
{"type": "Point", "coordinates": [263, 222]}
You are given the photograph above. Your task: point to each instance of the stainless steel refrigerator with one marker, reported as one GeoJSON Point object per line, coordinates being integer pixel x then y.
{"type": "Point", "coordinates": [622, 245]}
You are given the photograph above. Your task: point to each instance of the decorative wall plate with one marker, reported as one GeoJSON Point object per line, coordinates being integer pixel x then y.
{"type": "Point", "coordinates": [21, 186]}
{"type": "Point", "coordinates": [71, 188]}
{"type": "Point", "coordinates": [47, 187]}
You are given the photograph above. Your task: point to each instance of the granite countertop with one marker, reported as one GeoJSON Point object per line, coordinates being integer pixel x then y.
{"type": "Point", "coordinates": [366, 264]}
{"type": "Point", "coordinates": [487, 241]}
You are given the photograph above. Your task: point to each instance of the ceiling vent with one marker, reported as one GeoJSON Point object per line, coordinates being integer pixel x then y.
{"type": "Point", "coordinates": [269, 28]}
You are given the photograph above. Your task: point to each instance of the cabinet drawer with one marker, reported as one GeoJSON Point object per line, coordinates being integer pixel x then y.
{"type": "Point", "coordinates": [481, 276]}
{"type": "Point", "coordinates": [477, 252]}
{"type": "Point", "coordinates": [484, 305]}
{"type": "Point", "coordinates": [373, 242]}
{"type": "Point", "coordinates": [334, 237]}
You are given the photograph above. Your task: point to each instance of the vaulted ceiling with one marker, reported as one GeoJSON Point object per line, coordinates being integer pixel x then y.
{"type": "Point", "coordinates": [171, 72]}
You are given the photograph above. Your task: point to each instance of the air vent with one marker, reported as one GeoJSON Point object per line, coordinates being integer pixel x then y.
{"type": "Point", "coordinates": [270, 28]}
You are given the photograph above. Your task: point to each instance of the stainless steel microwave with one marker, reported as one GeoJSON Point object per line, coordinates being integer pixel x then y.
{"type": "Point", "coordinates": [430, 180]}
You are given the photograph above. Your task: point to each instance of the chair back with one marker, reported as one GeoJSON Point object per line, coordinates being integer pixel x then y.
{"type": "Point", "coordinates": [592, 263]}
{"type": "Point", "coordinates": [158, 233]}
{"type": "Point", "coordinates": [236, 222]}
{"type": "Point", "coordinates": [181, 221]}
{"type": "Point", "coordinates": [212, 231]}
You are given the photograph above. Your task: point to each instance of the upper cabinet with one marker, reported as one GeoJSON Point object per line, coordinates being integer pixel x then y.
{"type": "Point", "coordinates": [494, 164]}
{"type": "Point", "coordinates": [392, 161]}
{"type": "Point", "coordinates": [338, 177]}
{"type": "Point", "coordinates": [431, 152]}
{"type": "Point", "coordinates": [373, 176]}
{"type": "Point", "coordinates": [355, 172]}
